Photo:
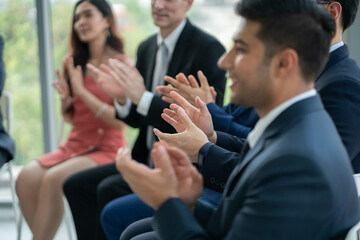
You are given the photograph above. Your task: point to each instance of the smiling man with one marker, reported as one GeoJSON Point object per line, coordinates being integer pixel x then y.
{"type": "Point", "coordinates": [295, 181]}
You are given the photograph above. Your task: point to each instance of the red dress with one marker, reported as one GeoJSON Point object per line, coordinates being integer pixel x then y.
{"type": "Point", "coordinates": [90, 136]}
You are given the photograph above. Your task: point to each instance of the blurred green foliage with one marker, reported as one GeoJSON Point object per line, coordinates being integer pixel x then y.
{"type": "Point", "coordinates": [18, 25]}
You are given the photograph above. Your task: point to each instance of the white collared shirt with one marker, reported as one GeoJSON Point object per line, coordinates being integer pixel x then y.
{"type": "Point", "coordinates": [170, 43]}
{"type": "Point", "coordinates": [146, 99]}
{"type": "Point", "coordinates": [336, 46]}
{"type": "Point", "coordinates": [264, 122]}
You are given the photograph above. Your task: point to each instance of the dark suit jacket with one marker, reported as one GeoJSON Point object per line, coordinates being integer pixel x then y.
{"type": "Point", "coordinates": [7, 146]}
{"type": "Point", "coordinates": [339, 88]}
{"type": "Point", "coordinates": [296, 183]}
{"type": "Point", "coordinates": [234, 120]}
{"type": "Point", "coordinates": [195, 50]}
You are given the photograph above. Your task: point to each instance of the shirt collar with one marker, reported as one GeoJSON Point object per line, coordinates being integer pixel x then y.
{"type": "Point", "coordinates": [336, 46]}
{"type": "Point", "coordinates": [264, 122]}
{"type": "Point", "coordinates": [171, 40]}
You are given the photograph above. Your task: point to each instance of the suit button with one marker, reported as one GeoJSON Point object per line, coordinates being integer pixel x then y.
{"type": "Point", "coordinates": [91, 148]}
{"type": "Point", "coordinates": [212, 180]}
{"type": "Point", "coordinates": [100, 131]}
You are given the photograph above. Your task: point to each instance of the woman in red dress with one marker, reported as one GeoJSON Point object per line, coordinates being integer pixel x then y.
{"type": "Point", "coordinates": [95, 136]}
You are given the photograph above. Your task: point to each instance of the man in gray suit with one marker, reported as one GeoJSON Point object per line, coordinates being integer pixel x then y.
{"type": "Point", "coordinates": [7, 146]}
{"type": "Point", "coordinates": [294, 179]}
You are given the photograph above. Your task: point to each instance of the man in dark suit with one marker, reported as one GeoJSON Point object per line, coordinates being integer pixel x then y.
{"type": "Point", "coordinates": [292, 182]}
{"type": "Point", "coordinates": [338, 85]}
{"type": "Point", "coordinates": [339, 82]}
{"type": "Point", "coordinates": [7, 146]}
{"type": "Point", "coordinates": [188, 49]}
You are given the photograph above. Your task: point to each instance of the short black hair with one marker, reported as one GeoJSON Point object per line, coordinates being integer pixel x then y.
{"type": "Point", "coordinates": [298, 24]}
{"type": "Point", "coordinates": [349, 10]}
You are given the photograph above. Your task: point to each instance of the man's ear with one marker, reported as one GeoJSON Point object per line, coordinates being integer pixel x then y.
{"type": "Point", "coordinates": [335, 10]}
{"type": "Point", "coordinates": [284, 62]}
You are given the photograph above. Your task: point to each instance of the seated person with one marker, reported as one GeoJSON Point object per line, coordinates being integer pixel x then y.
{"type": "Point", "coordinates": [285, 176]}
{"type": "Point", "coordinates": [121, 212]}
{"type": "Point", "coordinates": [7, 145]}
{"type": "Point", "coordinates": [96, 134]}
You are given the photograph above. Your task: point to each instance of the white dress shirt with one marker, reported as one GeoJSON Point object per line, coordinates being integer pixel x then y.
{"type": "Point", "coordinates": [264, 122]}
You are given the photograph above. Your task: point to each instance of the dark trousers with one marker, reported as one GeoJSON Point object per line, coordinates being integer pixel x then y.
{"type": "Point", "coordinates": [88, 192]}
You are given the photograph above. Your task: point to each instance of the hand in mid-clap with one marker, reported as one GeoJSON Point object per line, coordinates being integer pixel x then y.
{"type": "Point", "coordinates": [128, 78]}
{"type": "Point", "coordinates": [188, 88]}
{"type": "Point", "coordinates": [61, 84]}
{"type": "Point", "coordinates": [173, 176]}
{"type": "Point", "coordinates": [189, 138]}
{"type": "Point", "coordinates": [107, 82]}
{"type": "Point", "coordinates": [75, 76]}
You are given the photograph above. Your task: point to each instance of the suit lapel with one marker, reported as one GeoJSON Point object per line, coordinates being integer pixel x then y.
{"type": "Point", "coordinates": [179, 51]}
{"type": "Point", "coordinates": [334, 58]}
{"type": "Point", "coordinates": [285, 120]}
{"type": "Point", "coordinates": [235, 175]}
{"type": "Point", "coordinates": [151, 59]}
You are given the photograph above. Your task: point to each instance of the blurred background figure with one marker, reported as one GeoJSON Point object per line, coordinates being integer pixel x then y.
{"type": "Point", "coordinates": [96, 134]}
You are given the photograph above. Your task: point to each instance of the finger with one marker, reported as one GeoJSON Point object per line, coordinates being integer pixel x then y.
{"type": "Point", "coordinates": [180, 157]}
{"type": "Point", "coordinates": [162, 160]}
{"type": "Point", "coordinates": [174, 107]}
{"type": "Point", "coordinates": [184, 118]}
{"type": "Point", "coordinates": [165, 90]}
{"type": "Point", "coordinates": [165, 137]}
{"type": "Point", "coordinates": [172, 122]}
{"type": "Point", "coordinates": [201, 105]}
{"type": "Point", "coordinates": [58, 74]}
{"type": "Point", "coordinates": [203, 80]}
{"type": "Point", "coordinates": [182, 79]}
{"type": "Point", "coordinates": [213, 93]}
{"type": "Point", "coordinates": [193, 82]}
{"type": "Point", "coordinates": [168, 99]}
{"type": "Point", "coordinates": [172, 81]}
{"type": "Point", "coordinates": [169, 112]}
{"type": "Point", "coordinates": [93, 69]}
{"type": "Point", "coordinates": [182, 101]}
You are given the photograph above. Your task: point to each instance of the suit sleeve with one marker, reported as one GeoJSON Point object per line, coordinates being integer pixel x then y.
{"type": "Point", "coordinates": [220, 160]}
{"type": "Point", "coordinates": [174, 221]}
{"type": "Point", "coordinates": [238, 122]}
{"type": "Point", "coordinates": [341, 100]}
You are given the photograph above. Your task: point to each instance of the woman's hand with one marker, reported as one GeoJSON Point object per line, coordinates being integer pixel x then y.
{"type": "Point", "coordinates": [75, 76]}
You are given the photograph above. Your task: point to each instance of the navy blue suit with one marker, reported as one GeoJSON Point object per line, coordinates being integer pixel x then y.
{"type": "Point", "coordinates": [234, 120]}
{"type": "Point", "coordinates": [7, 145]}
{"type": "Point", "coordinates": [339, 89]}
{"type": "Point", "coordinates": [296, 183]}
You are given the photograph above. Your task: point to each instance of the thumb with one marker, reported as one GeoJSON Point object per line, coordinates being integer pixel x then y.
{"type": "Point", "coordinates": [162, 159]}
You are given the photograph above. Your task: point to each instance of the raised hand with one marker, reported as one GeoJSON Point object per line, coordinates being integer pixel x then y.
{"type": "Point", "coordinates": [128, 78]}
{"type": "Point", "coordinates": [62, 86]}
{"type": "Point", "coordinates": [199, 115]}
{"type": "Point", "coordinates": [188, 88]}
{"type": "Point", "coordinates": [107, 82]}
{"type": "Point", "coordinates": [75, 76]}
{"type": "Point", "coordinates": [190, 140]}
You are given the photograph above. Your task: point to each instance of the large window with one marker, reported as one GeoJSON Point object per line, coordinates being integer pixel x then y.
{"type": "Point", "coordinates": [18, 25]}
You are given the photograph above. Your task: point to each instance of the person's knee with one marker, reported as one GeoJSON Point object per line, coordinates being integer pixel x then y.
{"type": "Point", "coordinates": [71, 186]}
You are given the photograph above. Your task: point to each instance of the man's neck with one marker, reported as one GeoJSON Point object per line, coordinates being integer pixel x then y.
{"type": "Point", "coordinates": [165, 32]}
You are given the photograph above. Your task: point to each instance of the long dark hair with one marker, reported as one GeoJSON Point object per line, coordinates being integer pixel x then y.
{"type": "Point", "coordinates": [80, 50]}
